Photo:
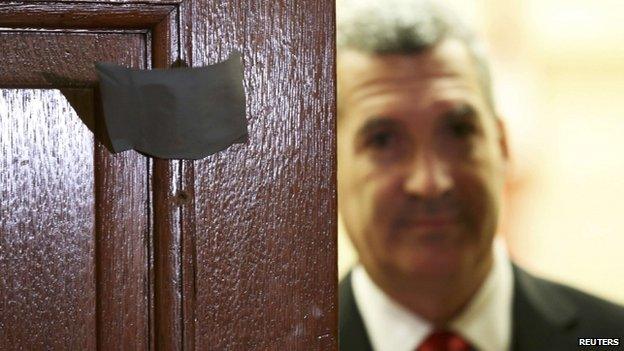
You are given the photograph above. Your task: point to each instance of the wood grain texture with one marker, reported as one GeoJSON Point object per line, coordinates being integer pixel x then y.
{"type": "Point", "coordinates": [167, 257]}
{"type": "Point", "coordinates": [188, 255]}
{"type": "Point", "coordinates": [124, 233]}
{"type": "Point", "coordinates": [123, 250]}
{"type": "Point", "coordinates": [47, 222]}
{"type": "Point", "coordinates": [118, 214]}
{"type": "Point", "coordinates": [96, 2]}
{"type": "Point", "coordinates": [61, 59]}
{"type": "Point", "coordinates": [59, 15]}
{"type": "Point", "coordinates": [188, 244]}
{"type": "Point", "coordinates": [242, 244]}
{"type": "Point", "coordinates": [169, 198]}
{"type": "Point", "coordinates": [124, 2]}
{"type": "Point", "coordinates": [265, 212]}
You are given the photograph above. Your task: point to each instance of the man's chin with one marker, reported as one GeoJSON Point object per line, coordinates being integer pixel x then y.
{"type": "Point", "coordinates": [432, 256]}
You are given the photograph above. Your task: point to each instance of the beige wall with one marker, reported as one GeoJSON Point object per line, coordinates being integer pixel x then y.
{"type": "Point", "coordinates": [559, 81]}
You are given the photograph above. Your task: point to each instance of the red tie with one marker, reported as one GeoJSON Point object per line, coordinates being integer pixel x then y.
{"type": "Point", "coordinates": [441, 340]}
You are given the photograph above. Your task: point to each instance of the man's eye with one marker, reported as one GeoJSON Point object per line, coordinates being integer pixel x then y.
{"type": "Point", "coordinates": [462, 129]}
{"type": "Point", "coordinates": [381, 140]}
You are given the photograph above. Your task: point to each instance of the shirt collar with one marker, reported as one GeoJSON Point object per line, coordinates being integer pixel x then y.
{"type": "Point", "coordinates": [485, 322]}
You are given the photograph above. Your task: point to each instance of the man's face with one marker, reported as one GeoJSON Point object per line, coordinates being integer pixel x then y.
{"type": "Point", "coordinates": [420, 162]}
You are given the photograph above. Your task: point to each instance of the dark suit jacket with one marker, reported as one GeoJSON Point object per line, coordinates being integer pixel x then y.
{"type": "Point", "coordinates": [546, 316]}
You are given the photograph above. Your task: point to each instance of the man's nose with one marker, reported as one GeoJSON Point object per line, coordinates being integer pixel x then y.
{"type": "Point", "coordinates": [428, 177]}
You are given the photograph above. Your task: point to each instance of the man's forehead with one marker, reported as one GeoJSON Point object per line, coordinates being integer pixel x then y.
{"type": "Point", "coordinates": [361, 75]}
{"type": "Point", "coordinates": [449, 56]}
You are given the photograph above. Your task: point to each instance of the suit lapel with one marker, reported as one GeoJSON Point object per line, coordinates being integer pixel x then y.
{"type": "Point", "coordinates": [541, 316]}
{"type": "Point", "coordinates": [352, 333]}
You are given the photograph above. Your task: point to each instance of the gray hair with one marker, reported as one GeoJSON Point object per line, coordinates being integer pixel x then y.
{"type": "Point", "coordinates": [405, 27]}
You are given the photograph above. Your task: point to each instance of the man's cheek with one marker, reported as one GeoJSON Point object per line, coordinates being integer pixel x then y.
{"type": "Point", "coordinates": [383, 205]}
{"type": "Point", "coordinates": [480, 204]}
{"type": "Point", "coordinates": [472, 196]}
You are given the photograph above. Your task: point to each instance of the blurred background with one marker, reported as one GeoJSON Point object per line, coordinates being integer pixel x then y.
{"type": "Point", "coordinates": [558, 70]}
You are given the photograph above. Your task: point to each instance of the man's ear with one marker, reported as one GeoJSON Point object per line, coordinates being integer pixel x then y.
{"type": "Point", "coordinates": [502, 137]}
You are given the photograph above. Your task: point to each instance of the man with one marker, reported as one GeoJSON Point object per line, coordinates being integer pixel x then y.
{"type": "Point", "coordinates": [421, 166]}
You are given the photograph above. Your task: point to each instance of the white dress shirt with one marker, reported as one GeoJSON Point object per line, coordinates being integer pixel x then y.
{"type": "Point", "coordinates": [485, 322]}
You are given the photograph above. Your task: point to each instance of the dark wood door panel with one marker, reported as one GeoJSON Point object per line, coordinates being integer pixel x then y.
{"type": "Point", "coordinates": [124, 249]}
{"type": "Point", "coordinates": [133, 216]}
{"type": "Point", "coordinates": [265, 212]}
{"type": "Point", "coordinates": [262, 285]}
{"type": "Point", "coordinates": [71, 213]}
{"type": "Point", "coordinates": [233, 252]}
{"type": "Point", "coordinates": [94, 287]}
{"type": "Point", "coordinates": [35, 3]}
{"type": "Point", "coordinates": [65, 59]}
{"type": "Point", "coordinates": [47, 244]}
{"type": "Point", "coordinates": [95, 14]}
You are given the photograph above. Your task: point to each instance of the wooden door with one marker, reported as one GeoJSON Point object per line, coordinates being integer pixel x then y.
{"type": "Point", "coordinates": [125, 252]}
